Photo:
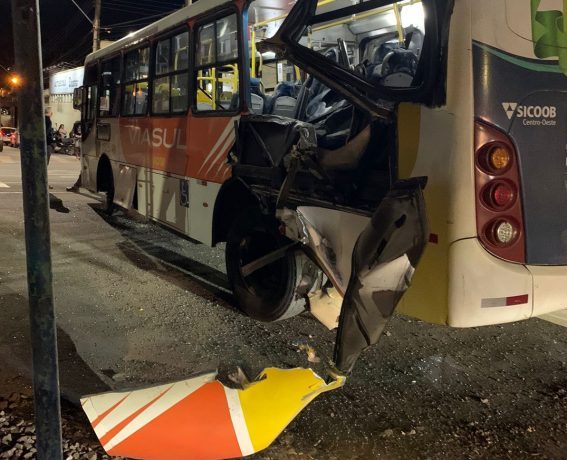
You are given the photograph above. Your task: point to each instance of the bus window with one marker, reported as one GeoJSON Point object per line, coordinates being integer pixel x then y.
{"type": "Point", "coordinates": [110, 89]}
{"type": "Point", "coordinates": [170, 86]}
{"type": "Point", "coordinates": [227, 39]}
{"type": "Point", "coordinates": [136, 66]}
{"type": "Point", "coordinates": [217, 65]}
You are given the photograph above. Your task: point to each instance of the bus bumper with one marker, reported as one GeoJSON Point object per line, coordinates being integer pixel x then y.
{"type": "Point", "coordinates": [485, 290]}
{"type": "Point", "coordinates": [550, 288]}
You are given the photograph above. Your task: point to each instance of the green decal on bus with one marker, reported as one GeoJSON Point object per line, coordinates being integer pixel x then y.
{"type": "Point", "coordinates": [549, 30]}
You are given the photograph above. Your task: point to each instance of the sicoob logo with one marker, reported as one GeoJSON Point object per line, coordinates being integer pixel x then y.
{"type": "Point", "coordinates": [509, 108]}
{"type": "Point", "coordinates": [532, 115]}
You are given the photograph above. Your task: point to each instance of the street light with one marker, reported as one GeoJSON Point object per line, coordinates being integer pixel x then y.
{"type": "Point", "coordinates": [15, 80]}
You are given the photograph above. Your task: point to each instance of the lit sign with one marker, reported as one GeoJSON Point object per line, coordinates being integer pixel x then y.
{"type": "Point", "coordinates": [65, 82]}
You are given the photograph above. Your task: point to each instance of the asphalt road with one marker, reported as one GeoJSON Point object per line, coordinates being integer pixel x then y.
{"type": "Point", "coordinates": [137, 305]}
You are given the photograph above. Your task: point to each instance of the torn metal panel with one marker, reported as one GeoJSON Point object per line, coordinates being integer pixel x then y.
{"type": "Point", "coordinates": [329, 236]}
{"type": "Point", "coordinates": [325, 305]}
{"type": "Point", "coordinates": [384, 260]}
{"type": "Point", "coordinates": [348, 156]}
{"type": "Point", "coordinates": [267, 139]}
{"type": "Point", "coordinates": [202, 418]}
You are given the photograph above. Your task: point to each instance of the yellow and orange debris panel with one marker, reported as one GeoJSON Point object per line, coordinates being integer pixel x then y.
{"type": "Point", "coordinates": [200, 418]}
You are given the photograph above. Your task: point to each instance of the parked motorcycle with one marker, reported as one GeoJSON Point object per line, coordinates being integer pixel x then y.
{"type": "Point", "coordinates": [65, 145]}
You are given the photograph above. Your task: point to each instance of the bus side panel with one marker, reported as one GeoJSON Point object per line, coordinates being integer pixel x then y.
{"type": "Point", "coordinates": [445, 157]}
{"type": "Point", "coordinates": [427, 297]}
{"type": "Point", "coordinates": [202, 198]}
{"type": "Point", "coordinates": [549, 289]}
{"type": "Point", "coordinates": [210, 141]}
{"type": "Point", "coordinates": [182, 203]}
{"type": "Point", "coordinates": [176, 181]}
{"type": "Point", "coordinates": [486, 290]}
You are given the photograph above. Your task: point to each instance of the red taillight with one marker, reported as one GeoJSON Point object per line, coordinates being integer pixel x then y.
{"type": "Point", "coordinates": [499, 194]}
{"type": "Point", "coordinates": [498, 205]}
{"type": "Point", "coordinates": [502, 195]}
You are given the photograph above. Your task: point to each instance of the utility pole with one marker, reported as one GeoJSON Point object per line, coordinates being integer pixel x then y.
{"type": "Point", "coordinates": [96, 25]}
{"type": "Point", "coordinates": [33, 148]}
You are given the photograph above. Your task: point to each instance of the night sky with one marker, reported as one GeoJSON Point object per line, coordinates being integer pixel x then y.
{"type": "Point", "coordinates": [66, 33]}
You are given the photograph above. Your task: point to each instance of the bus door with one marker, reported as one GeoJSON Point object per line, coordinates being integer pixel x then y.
{"type": "Point", "coordinates": [215, 113]}
{"type": "Point", "coordinates": [159, 142]}
{"type": "Point", "coordinates": [374, 54]}
{"type": "Point", "coordinates": [88, 103]}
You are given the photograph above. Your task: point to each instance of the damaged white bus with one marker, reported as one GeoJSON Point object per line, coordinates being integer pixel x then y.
{"type": "Point", "coordinates": [313, 140]}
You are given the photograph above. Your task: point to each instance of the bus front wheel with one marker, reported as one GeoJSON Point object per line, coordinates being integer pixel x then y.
{"type": "Point", "coordinates": [278, 289]}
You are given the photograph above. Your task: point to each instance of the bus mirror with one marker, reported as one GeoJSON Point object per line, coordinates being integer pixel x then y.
{"type": "Point", "coordinates": [78, 98]}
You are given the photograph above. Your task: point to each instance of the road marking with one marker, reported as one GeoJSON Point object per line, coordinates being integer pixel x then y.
{"type": "Point", "coordinates": [3, 185]}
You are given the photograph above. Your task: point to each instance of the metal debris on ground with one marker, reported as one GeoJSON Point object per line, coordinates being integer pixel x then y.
{"type": "Point", "coordinates": [202, 418]}
{"type": "Point", "coordinates": [311, 353]}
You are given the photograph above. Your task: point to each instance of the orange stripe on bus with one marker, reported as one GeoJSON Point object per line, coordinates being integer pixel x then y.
{"type": "Point", "coordinates": [117, 428]}
{"type": "Point", "coordinates": [197, 427]}
{"type": "Point", "coordinates": [108, 411]}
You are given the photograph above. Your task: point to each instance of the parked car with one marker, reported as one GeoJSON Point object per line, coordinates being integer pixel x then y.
{"type": "Point", "coordinates": [15, 139]}
{"type": "Point", "coordinates": [5, 134]}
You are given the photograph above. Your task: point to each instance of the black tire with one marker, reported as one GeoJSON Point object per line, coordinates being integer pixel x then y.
{"type": "Point", "coordinates": [276, 291]}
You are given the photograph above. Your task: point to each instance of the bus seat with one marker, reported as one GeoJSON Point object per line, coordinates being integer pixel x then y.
{"type": "Point", "coordinates": [399, 68]}
{"type": "Point", "coordinates": [375, 67]}
{"type": "Point", "coordinates": [257, 106]}
{"type": "Point", "coordinates": [256, 88]}
{"type": "Point", "coordinates": [284, 88]}
{"type": "Point", "coordinates": [383, 50]}
{"type": "Point", "coordinates": [285, 106]}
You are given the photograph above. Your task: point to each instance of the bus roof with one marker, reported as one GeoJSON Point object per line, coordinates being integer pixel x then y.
{"type": "Point", "coordinates": [178, 17]}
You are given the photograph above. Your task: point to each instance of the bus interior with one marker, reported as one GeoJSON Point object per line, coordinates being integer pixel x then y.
{"type": "Point", "coordinates": [306, 143]}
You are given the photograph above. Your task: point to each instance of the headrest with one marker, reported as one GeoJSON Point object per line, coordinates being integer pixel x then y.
{"type": "Point", "coordinates": [285, 88]}
{"type": "Point", "coordinates": [399, 61]}
{"type": "Point", "coordinates": [383, 50]}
